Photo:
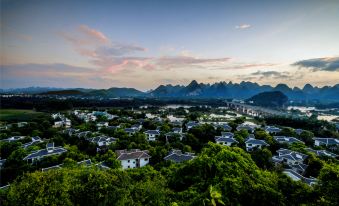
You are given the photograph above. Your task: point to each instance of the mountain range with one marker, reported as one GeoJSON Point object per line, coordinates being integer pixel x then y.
{"type": "Point", "coordinates": [222, 90]}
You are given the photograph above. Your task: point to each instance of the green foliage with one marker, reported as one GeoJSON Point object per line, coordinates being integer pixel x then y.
{"type": "Point", "coordinates": [329, 184]}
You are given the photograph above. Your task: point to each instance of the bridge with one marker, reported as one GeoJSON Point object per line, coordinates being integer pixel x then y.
{"type": "Point", "coordinates": [254, 111]}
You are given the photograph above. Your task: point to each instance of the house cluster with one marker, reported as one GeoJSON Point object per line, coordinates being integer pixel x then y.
{"type": "Point", "coordinates": [61, 121]}
{"type": "Point", "coordinates": [92, 116]}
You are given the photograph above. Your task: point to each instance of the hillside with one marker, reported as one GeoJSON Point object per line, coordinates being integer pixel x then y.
{"type": "Point", "coordinates": [63, 92]}
{"type": "Point", "coordinates": [195, 90]}
{"type": "Point", "coordinates": [269, 99]}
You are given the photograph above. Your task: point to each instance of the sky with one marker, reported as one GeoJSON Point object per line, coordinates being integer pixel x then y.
{"type": "Point", "coordinates": [143, 44]}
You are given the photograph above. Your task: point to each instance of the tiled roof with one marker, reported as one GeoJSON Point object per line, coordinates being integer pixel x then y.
{"type": "Point", "coordinates": [256, 142]}
{"type": "Point", "coordinates": [284, 139]}
{"type": "Point", "coordinates": [322, 152]}
{"type": "Point", "coordinates": [132, 154]}
{"type": "Point", "coordinates": [177, 156]}
{"type": "Point", "coordinates": [328, 141]}
{"type": "Point", "coordinates": [227, 134]}
{"type": "Point", "coordinates": [44, 152]}
{"type": "Point", "coordinates": [155, 132]}
{"type": "Point", "coordinates": [225, 139]}
{"type": "Point", "coordinates": [292, 155]}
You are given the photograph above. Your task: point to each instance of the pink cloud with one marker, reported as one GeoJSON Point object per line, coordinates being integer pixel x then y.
{"type": "Point", "coordinates": [92, 33]}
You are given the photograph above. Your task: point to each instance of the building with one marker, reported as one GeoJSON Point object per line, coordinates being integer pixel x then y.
{"type": "Point", "coordinates": [252, 143]}
{"type": "Point", "coordinates": [177, 130]}
{"type": "Point", "coordinates": [291, 157]}
{"type": "Point", "coordinates": [34, 140]}
{"type": "Point", "coordinates": [225, 140]}
{"type": "Point", "coordinates": [177, 156]}
{"type": "Point", "coordinates": [130, 131]}
{"type": "Point", "coordinates": [272, 129]}
{"type": "Point", "coordinates": [298, 177]}
{"type": "Point", "coordinates": [134, 158]}
{"type": "Point", "coordinates": [152, 135]}
{"type": "Point", "coordinates": [191, 124]}
{"type": "Point", "coordinates": [50, 150]}
{"type": "Point", "coordinates": [298, 131]}
{"type": "Point", "coordinates": [287, 140]}
{"type": "Point", "coordinates": [329, 142]}
{"type": "Point", "coordinates": [322, 153]}
{"type": "Point", "coordinates": [102, 125]}
{"type": "Point", "coordinates": [14, 138]}
{"type": "Point", "coordinates": [102, 140]}
{"type": "Point", "coordinates": [249, 127]}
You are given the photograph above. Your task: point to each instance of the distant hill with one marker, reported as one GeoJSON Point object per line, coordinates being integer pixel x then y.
{"type": "Point", "coordinates": [269, 99]}
{"type": "Point", "coordinates": [116, 92]}
{"type": "Point", "coordinates": [221, 90]}
{"type": "Point", "coordinates": [63, 92]}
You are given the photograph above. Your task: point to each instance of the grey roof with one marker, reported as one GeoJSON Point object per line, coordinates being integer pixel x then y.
{"type": "Point", "coordinates": [50, 144]}
{"type": "Point", "coordinates": [272, 129]}
{"type": "Point", "coordinates": [84, 133]}
{"type": "Point", "coordinates": [87, 162]}
{"type": "Point", "coordinates": [36, 138]}
{"type": "Point", "coordinates": [288, 140]}
{"type": "Point", "coordinates": [300, 167]}
{"type": "Point", "coordinates": [328, 141]}
{"type": "Point", "coordinates": [298, 131]}
{"type": "Point", "coordinates": [102, 138]}
{"type": "Point", "coordinates": [155, 132]}
{"type": "Point", "coordinates": [225, 139]}
{"type": "Point", "coordinates": [246, 127]}
{"type": "Point", "coordinates": [308, 181]}
{"type": "Point", "coordinates": [227, 134]}
{"type": "Point", "coordinates": [13, 138]}
{"type": "Point", "coordinates": [44, 152]}
{"type": "Point", "coordinates": [225, 127]}
{"type": "Point", "coordinates": [51, 168]}
{"type": "Point", "coordinates": [322, 152]}
{"type": "Point", "coordinates": [130, 130]}
{"type": "Point", "coordinates": [132, 154]}
{"type": "Point", "coordinates": [192, 124]}
{"type": "Point", "coordinates": [177, 129]}
{"type": "Point", "coordinates": [177, 156]}
{"type": "Point", "coordinates": [292, 155]}
{"type": "Point", "coordinates": [256, 142]}
{"type": "Point", "coordinates": [102, 166]}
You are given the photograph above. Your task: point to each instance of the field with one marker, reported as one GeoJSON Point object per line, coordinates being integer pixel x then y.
{"type": "Point", "coordinates": [19, 115]}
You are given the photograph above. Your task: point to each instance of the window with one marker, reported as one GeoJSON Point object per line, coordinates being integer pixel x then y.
{"type": "Point", "coordinates": [128, 166]}
{"type": "Point", "coordinates": [249, 145]}
{"type": "Point", "coordinates": [146, 159]}
{"type": "Point", "coordinates": [128, 161]}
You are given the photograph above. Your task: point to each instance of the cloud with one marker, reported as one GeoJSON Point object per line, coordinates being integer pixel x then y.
{"type": "Point", "coordinates": [243, 26]}
{"type": "Point", "coordinates": [51, 75]}
{"type": "Point", "coordinates": [330, 64]}
{"type": "Point", "coordinates": [92, 33]}
{"type": "Point", "coordinates": [272, 74]}
{"type": "Point", "coordinates": [110, 57]}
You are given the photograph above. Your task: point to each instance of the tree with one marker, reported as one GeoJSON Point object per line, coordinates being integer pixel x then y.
{"type": "Point", "coordinates": [215, 197]}
{"type": "Point", "coordinates": [307, 137]}
{"type": "Point", "coordinates": [328, 184]}
{"type": "Point", "coordinates": [263, 158]}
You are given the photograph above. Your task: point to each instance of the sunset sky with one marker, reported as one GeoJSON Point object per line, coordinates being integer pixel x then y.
{"type": "Point", "coordinates": [142, 44]}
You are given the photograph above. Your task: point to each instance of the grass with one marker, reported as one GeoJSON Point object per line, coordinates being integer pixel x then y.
{"type": "Point", "coordinates": [19, 115]}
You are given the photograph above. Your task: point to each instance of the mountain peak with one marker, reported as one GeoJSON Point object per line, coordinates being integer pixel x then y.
{"type": "Point", "coordinates": [193, 83]}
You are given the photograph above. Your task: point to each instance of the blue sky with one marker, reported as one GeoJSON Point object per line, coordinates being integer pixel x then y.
{"type": "Point", "coordinates": [143, 44]}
